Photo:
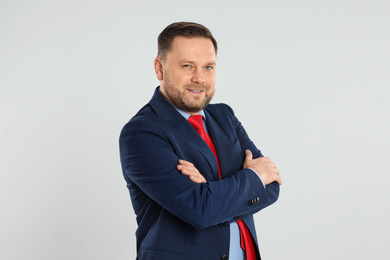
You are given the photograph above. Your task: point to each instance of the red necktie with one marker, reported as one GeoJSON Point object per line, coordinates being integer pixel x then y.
{"type": "Point", "coordinates": [197, 122]}
{"type": "Point", "coordinates": [246, 239]}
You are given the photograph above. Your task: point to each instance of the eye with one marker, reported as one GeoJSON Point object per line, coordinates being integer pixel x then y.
{"type": "Point", "coordinates": [187, 66]}
{"type": "Point", "coordinates": [209, 67]}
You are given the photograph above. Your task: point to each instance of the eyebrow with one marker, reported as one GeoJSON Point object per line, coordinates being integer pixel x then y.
{"type": "Point", "coordinates": [192, 62]}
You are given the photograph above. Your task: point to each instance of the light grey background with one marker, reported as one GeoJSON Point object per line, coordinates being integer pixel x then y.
{"type": "Point", "coordinates": [309, 80]}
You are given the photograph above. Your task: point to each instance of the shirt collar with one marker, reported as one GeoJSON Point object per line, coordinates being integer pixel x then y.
{"type": "Point", "coordinates": [187, 115]}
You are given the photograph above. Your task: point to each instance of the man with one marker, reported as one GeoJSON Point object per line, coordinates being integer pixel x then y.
{"type": "Point", "coordinates": [194, 176]}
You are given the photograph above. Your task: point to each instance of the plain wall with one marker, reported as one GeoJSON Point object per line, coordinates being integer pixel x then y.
{"type": "Point", "coordinates": [309, 80]}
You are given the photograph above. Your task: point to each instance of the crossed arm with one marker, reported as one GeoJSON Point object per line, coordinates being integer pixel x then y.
{"type": "Point", "coordinates": [263, 166]}
{"type": "Point", "coordinates": [203, 205]}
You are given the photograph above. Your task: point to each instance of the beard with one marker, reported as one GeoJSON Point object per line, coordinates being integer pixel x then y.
{"type": "Point", "coordinates": [183, 101]}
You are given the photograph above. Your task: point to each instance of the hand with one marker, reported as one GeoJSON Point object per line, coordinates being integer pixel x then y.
{"type": "Point", "coordinates": [264, 167]}
{"type": "Point", "coordinates": [189, 169]}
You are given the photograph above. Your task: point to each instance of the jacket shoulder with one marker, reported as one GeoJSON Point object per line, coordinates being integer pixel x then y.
{"type": "Point", "coordinates": [144, 119]}
{"type": "Point", "coordinates": [223, 114]}
{"type": "Point", "coordinates": [220, 109]}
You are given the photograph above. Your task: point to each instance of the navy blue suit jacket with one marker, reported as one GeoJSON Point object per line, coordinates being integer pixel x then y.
{"type": "Point", "coordinates": [177, 218]}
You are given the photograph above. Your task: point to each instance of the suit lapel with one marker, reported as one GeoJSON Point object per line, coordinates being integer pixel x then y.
{"type": "Point", "coordinates": [200, 145]}
{"type": "Point", "coordinates": [169, 114]}
{"type": "Point", "coordinates": [221, 143]}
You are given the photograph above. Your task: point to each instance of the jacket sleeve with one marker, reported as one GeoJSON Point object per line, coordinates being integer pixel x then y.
{"type": "Point", "coordinates": [149, 161]}
{"type": "Point", "coordinates": [272, 190]}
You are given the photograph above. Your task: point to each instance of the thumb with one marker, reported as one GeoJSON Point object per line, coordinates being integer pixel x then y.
{"type": "Point", "coordinates": [248, 155]}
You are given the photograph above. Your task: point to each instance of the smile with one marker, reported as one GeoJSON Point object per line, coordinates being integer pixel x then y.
{"type": "Point", "coordinates": [195, 90]}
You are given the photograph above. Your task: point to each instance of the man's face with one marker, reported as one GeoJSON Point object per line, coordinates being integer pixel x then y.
{"type": "Point", "coordinates": [188, 73]}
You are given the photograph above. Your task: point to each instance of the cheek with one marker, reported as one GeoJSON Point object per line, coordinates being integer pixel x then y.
{"type": "Point", "coordinates": [211, 83]}
{"type": "Point", "coordinates": [211, 79]}
{"type": "Point", "coordinates": [180, 79]}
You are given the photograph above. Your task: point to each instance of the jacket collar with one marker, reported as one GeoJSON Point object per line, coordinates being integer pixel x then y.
{"type": "Point", "coordinates": [167, 112]}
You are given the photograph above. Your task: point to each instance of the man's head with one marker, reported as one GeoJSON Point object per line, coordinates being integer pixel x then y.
{"type": "Point", "coordinates": [185, 29]}
{"type": "Point", "coordinates": [186, 65]}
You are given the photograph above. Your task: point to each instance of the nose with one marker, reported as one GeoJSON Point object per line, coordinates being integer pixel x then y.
{"type": "Point", "coordinates": [198, 77]}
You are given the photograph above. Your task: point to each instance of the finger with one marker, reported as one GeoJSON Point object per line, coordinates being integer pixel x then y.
{"type": "Point", "coordinates": [194, 176]}
{"type": "Point", "coordinates": [188, 168]}
{"type": "Point", "coordinates": [184, 162]}
{"type": "Point", "coordinates": [188, 172]}
{"type": "Point", "coordinates": [248, 155]}
{"type": "Point", "coordinates": [279, 180]}
{"type": "Point", "coordinates": [196, 179]}
{"type": "Point", "coordinates": [191, 172]}
{"type": "Point", "coordinates": [186, 165]}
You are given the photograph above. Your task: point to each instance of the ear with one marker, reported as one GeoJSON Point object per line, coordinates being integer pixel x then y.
{"type": "Point", "coordinates": [158, 68]}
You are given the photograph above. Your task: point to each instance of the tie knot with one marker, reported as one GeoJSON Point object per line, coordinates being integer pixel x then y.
{"type": "Point", "coordinates": [196, 121]}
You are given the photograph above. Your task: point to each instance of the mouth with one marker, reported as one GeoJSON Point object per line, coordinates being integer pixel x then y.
{"type": "Point", "coordinates": [196, 91]}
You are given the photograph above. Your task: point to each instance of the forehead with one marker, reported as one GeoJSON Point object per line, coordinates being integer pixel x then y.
{"type": "Point", "coordinates": [196, 48]}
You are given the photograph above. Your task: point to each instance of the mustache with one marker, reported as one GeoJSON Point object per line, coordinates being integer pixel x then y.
{"type": "Point", "coordinates": [198, 86]}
